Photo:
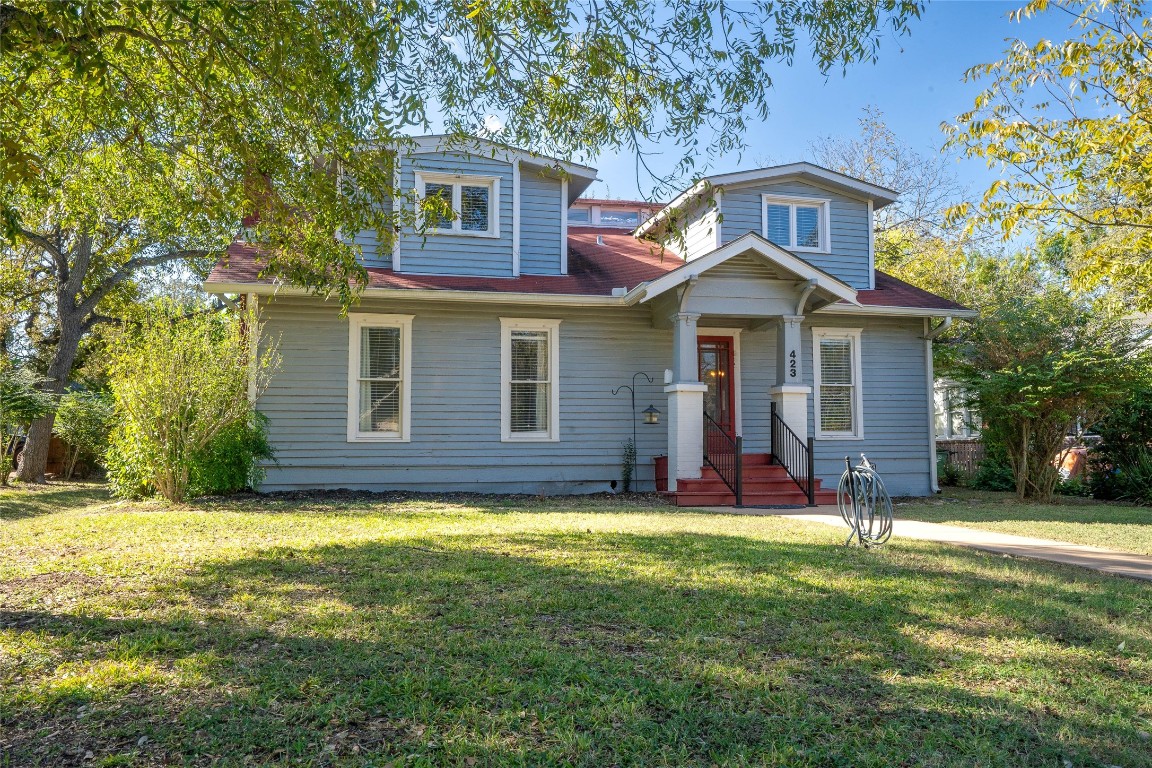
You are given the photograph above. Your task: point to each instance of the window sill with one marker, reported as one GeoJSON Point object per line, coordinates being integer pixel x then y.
{"type": "Point", "coordinates": [799, 249]}
{"type": "Point", "coordinates": [529, 438]}
{"type": "Point", "coordinates": [379, 439]}
{"type": "Point", "coordinates": [835, 436]}
{"type": "Point", "coordinates": [463, 233]}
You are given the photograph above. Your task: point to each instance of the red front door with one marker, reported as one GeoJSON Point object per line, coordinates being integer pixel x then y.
{"type": "Point", "coordinates": [716, 365]}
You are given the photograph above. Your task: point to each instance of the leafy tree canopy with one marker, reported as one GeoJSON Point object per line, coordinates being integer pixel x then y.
{"type": "Point", "coordinates": [1068, 121]}
{"type": "Point", "coordinates": [260, 104]}
{"type": "Point", "coordinates": [1040, 358]}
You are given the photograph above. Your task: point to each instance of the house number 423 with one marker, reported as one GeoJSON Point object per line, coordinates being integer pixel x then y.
{"type": "Point", "coordinates": [792, 364]}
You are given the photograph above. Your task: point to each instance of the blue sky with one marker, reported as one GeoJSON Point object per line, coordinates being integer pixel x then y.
{"type": "Point", "coordinates": [917, 83]}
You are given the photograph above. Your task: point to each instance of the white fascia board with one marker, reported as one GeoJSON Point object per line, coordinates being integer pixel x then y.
{"type": "Point", "coordinates": [867, 309]}
{"type": "Point", "coordinates": [422, 145]}
{"type": "Point", "coordinates": [657, 218]}
{"type": "Point", "coordinates": [420, 294]}
{"type": "Point", "coordinates": [749, 242]}
{"type": "Point", "coordinates": [881, 195]}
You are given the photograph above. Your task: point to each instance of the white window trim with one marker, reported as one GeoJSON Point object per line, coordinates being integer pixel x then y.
{"type": "Point", "coordinates": [825, 206]}
{"type": "Point", "coordinates": [423, 178]}
{"type": "Point", "coordinates": [355, 323]}
{"type": "Point", "coordinates": [507, 325]}
{"type": "Point", "coordinates": [852, 334]}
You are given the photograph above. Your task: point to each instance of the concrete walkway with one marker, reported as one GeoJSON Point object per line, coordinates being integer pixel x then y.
{"type": "Point", "coordinates": [1097, 558]}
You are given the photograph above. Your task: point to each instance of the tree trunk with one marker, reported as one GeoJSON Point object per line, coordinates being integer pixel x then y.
{"type": "Point", "coordinates": [34, 459]}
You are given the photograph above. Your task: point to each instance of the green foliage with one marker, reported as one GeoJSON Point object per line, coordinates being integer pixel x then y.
{"type": "Point", "coordinates": [1127, 479]}
{"type": "Point", "coordinates": [1039, 359]}
{"type": "Point", "coordinates": [993, 473]}
{"type": "Point", "coordinates": [184, 421]}
{"type": "Point", "coordinates": [83, 421]}
{"type": "Point", "coordinates": [1121, 466]}
{"type": "Point", "coordinates": [948, 474]}
{"type": "Point", "coordinates": [232, 460]}
{"type": "Point", "coordinates": [1075, 486]}
{"type": "Point", "coordinates": [627, 464]}
{"type": "Point", "coordinates": [1069, 120]}
{"type": "Point", "coordinates": [22, 401]}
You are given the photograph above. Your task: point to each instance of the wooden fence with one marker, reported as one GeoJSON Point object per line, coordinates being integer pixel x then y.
{"type": "Point", "coordinates": [965, 455]}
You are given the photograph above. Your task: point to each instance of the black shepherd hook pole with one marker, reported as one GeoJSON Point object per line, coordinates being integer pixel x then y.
{"type": "Point", "coordinates": [632, 390]}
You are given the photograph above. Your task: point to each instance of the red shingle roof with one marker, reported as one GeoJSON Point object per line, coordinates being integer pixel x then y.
{"type": "Point", "coordinates": [891, 292]}
{"type": "Point", "coordinates": [593, 270]}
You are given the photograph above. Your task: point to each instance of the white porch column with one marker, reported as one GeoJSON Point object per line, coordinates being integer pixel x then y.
{"type": "Point", "coordinates": [685, 403]}
{"type": "Point", "coordinates": [790, 393]}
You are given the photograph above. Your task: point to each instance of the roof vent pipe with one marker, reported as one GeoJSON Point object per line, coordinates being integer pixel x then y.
{"type": "Point", "coordinates": [599, 239]}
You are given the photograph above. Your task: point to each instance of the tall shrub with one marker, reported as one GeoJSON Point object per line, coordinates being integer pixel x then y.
{"type": "Point", "coordinates": [182, 384]}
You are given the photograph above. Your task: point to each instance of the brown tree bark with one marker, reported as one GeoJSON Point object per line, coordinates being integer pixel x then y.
{"type": "Point", "coordinates": [34, 458]}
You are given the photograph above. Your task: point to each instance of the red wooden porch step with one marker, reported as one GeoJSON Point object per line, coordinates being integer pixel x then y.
{"type": "Point", "coordinates": [765, 484]}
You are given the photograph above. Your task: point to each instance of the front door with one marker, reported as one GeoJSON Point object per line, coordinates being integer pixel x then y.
{"type": "Point", "coordinates": [716, 370]}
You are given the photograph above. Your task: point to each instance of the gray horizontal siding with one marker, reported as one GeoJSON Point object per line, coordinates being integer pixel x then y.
{"type": "Point", "coordinates": [455, 428]}
{"type": "Point", "coordinates": [541, 213]}
{"type": "Point", "coordinates": [459, 254]}
{"type": "Point", "coordinates": [897, 424]}
{"type": "Point", "coordinates": [849, 226]}
{"type": "Point", "coordinates": [372, 254]}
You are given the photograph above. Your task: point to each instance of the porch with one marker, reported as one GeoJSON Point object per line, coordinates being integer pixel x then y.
{"type": "Point", "coordinates": [749, 292]}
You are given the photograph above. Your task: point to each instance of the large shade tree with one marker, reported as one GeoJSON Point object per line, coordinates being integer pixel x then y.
{"type": "Point", "coordinates": [197, 112]}
{"type": "Point", "coordinates": [1070, 123]}
{"type": "Point", "coordinates": [1040, 359]}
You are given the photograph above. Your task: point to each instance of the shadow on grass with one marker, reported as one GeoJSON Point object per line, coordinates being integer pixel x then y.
{"type": "Point", "coordinates": [590, 649]}
{"type": "Point", "coordinates": [1111, 514]}
{"type": "Point", "coordinates": [22, 501]}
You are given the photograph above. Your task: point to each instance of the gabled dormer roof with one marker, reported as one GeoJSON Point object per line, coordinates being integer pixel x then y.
{"type": "Point", "coordinates": [880, 196]}
{"type": "Point", "coordinates": [829, 287]}
{"type": "Point", "coordinates": [580, 177]}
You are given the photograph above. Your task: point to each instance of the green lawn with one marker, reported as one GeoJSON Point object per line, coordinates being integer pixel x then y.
{"type": "Point", "coordinates": [544, 632]}
{"type": "Point", "coordinates": [1122, 527]}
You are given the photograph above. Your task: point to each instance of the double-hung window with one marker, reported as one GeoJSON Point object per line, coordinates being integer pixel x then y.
{"type": "Point", "coordinates": [529, 379]}
{"type": "Point", "coordinates": [796, 223]}
{"type": "Point", "coordinates": [836, 374]}
{"type": "Point", "coordinates": [379, 377]}
{"type": "Point", "coordinates": [471, 204]}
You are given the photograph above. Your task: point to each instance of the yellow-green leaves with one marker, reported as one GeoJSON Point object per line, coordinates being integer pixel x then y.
{"type": "Point", "coordinates": [1071, 124]}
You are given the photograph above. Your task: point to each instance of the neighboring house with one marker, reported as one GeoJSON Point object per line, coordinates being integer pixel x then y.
{"type": "Point", "coordinates": [483, 356]}
{"type": "Point", "coordinates": [955, 420]}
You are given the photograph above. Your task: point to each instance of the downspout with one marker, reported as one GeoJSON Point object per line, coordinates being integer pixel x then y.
{"type": "Point", "coordinates": [931, 333]}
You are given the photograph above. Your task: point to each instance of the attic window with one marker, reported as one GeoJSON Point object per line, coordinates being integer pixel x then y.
{"type": "Point", "coordinates": [618, 218]}
{"type": "Point", "coordinates": [579, 215]}
{"type": "Point", "coordinates": [475, 203]}
{"type": "Point", "coordinates": [797, 223]}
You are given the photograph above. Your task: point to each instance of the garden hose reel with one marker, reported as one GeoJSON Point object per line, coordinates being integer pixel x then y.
{"type": "Point", "coordinates": [864, 504]}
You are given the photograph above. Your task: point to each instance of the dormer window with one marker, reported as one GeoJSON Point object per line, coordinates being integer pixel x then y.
{"type": "Point", "coordinates": [475, 201]}
{"type": "Point", "coordinates": [797, 223]}
{"type": "Point", "coordinates": [619, 218]}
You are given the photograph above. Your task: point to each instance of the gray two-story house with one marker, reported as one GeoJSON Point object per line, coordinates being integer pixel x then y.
{"type": "Point", "coordinates": [488, 352]}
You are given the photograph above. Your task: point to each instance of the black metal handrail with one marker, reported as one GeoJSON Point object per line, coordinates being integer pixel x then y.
{"type": "Point", "coordinates": [725, 454]}
{"type": "Point", "coordinates": [795, 455]}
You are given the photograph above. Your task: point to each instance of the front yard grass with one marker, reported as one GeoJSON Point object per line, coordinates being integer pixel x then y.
{"type": "Point", "coordinates": [1122, 527]}
{"type": "Point", "coordinates": [476, 631]}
